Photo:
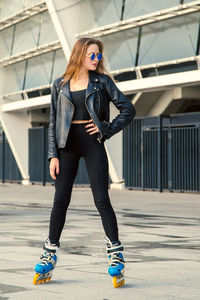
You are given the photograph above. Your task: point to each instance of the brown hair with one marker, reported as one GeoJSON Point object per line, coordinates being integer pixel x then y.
{"type": "Point", "coordinates": [77, 57]}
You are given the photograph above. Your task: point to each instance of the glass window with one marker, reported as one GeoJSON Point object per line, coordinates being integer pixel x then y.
{"type": "Point", "coordinates": [120, 49]}
{"type": "Point", "coordinates": [170, 39]}
{"type": "Point", "coordinates": [13, 74]}
{"type": "Point", "coordinates": [41, 65]}
{"type": "Point", "coordinates": [60, 64]}
{"type": "Point", "coordinates": [86, 15]}
{"type": "Point", "coordinates": [24, 38]}
{"type": "Point", "coordinates": [10, 7]}
{"type": "Point", "coordinates": [6, 42]}
{"type": "Point", "coordinates": [99, 13]}
{"type": "Point", "coordinates": [47, 33]}
{"type": "Point", "coordinates": [135, 8]}
{"type": "Point", "coordinates": [37, 30]}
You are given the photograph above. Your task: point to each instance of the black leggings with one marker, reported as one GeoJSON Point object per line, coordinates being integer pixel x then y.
{"type": "Point", "coordinates": [81, 144]}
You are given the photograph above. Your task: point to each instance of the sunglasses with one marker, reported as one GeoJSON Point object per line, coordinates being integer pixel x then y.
{"type": "Point", "coordinates": [93, 55]}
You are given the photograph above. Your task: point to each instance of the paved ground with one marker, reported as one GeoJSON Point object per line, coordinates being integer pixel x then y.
{"type": "Point", "coordinates": [160, 233]}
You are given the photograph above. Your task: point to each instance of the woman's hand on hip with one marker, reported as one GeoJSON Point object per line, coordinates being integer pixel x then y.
{"type": "Point", "coordinates": [92, 127]}
{"type": "Point", "coordinates": [54, 167]}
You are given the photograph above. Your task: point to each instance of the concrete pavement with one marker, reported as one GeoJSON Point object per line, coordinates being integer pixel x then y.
{"type": "Point", "coordinates": [160, 234]}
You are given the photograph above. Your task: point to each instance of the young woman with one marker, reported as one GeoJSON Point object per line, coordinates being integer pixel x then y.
{"type": "Point", "coordinates": [78, 126]}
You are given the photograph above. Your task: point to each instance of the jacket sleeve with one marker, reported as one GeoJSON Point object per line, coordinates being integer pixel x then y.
{"type": "Point", "coordinates": [52, 144]}
{"type": "Point", "coordinates": [123, 104]}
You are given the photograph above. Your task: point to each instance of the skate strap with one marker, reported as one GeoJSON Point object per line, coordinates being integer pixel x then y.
{"type": "Point", "coordinates": [115, 249]}
{"type": "Point", "coordinates": [115, 260]}
{"type": "Point", "coordinates": [46, 259]}
{"type": "Point", "coordinates": [53, 250]}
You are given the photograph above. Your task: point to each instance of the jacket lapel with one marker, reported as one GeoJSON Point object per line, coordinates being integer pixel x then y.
{"type": "Point", "coordinates": [66, 91]}
{"type": "Point", "coordinates": [90, 88]}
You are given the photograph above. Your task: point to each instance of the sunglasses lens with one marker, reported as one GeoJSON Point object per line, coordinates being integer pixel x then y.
{"type": "Point", "coordinates": [92, 56]}
{"type": "Point", "coordinates": [99, 56]}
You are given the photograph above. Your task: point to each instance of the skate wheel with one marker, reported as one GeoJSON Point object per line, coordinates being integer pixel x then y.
{"type": "Point", "coordinates": [122, 282]}
{"type": "Point", "coordinates": [44, 280]}
{"type": "Point", "coordinates": [36, 278]}
{"type": "Point", "coordinates": [118, 283]}
{"type": "Point", "coordinates": [115, 282]}
{"type": "Point", "coordinates": [48, 279]}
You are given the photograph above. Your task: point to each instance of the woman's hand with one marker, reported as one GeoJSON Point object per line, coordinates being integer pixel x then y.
{"type": "Point", "coordinates": [54, 167]}
{"type": "Point", "coordinates": [92, 127]}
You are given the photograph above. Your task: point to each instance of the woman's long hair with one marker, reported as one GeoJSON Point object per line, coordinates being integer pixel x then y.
{"type": "Point", "coordinates": [78, 55]}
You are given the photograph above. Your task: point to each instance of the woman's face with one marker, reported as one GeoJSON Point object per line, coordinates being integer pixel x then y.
{"type": "Point", "coordinates": [89, 64]}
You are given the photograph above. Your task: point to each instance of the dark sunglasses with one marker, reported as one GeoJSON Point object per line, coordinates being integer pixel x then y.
{"type": "Point", "coordinates": [93, 55]}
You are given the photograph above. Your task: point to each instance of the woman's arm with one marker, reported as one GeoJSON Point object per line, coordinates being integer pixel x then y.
{"type": "Point", "coordinates": [52, 144]}
{"type": "Point", "coordinates": [123, 104]}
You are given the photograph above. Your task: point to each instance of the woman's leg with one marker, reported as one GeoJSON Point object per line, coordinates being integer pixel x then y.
{"type": "Point", "coordinates": [97, 167]}
{"type": "Point", "coordinates": [63, 188]}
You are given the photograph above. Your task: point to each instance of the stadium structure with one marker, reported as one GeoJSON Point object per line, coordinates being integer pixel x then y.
{"type": "Point", "coordinates": [151, 49]}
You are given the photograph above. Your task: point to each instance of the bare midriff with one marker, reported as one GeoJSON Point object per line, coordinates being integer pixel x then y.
{"type": "Point", "coordinates": [80, 121]}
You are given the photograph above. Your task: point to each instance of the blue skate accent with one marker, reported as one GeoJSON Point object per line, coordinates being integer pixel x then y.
{"type": "Point", "coordinates": [47, 263]}
{"type": "Point", "coordinates": [116, 264]}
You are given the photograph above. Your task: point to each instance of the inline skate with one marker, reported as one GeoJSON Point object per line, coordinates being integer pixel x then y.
{"type": "Point", "coordinates": [116, 262]}
{"type": "Point", "coordinates": [44, 268]}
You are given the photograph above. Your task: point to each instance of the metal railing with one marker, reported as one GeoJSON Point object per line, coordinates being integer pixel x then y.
{"type": "Point", "coordinates": [9, 170]}
{"type": "Point", "coordinates": [163, 153]}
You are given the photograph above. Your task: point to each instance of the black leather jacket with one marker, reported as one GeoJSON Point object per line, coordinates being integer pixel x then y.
{"type": "Point", "coordinates": [100, 91]}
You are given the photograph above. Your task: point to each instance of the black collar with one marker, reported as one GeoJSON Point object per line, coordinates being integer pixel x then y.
{"type": "Point", "coordinates": [65, 90]}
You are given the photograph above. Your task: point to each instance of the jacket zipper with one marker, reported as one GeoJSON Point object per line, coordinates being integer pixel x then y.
{"type": "Point", "coordinates": [99, 102]}
{"type": "Point", "coordinates": [98, 98]}
{"type": "Point", "coordinates": [91, 116]}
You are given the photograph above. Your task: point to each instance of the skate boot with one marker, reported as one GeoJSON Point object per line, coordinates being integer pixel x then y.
{"type": "Point", "coordinates": [117, 263]}
{"type": "Point", "coordinates": [48, 261]}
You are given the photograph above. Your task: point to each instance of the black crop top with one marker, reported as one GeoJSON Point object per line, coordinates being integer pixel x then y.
{"type": "Point", "coordinates": [78, 99]}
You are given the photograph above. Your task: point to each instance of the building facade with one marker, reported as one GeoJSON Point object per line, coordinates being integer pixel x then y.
{"type": "Point", "coordinates": [151, 48]}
